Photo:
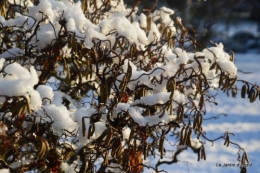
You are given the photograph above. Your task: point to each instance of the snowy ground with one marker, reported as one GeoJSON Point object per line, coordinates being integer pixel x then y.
{"type": "Point", "coordinates": [243, 120]}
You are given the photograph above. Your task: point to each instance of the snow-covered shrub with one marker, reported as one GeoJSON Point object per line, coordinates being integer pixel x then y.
{"type": "Point", "coordinates": [96, 86]}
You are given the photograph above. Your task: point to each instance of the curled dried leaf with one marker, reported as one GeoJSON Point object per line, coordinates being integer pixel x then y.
{"type": "Point", "coordinates": [234, 92]}
{"type": "Point", "coordinates": [201, 103]}
{"type": "Point", "coordinates": [232, 82]}
{"type": "Point", "coordinates": [227, 140]}
{"type": "Point", "coordinates": [198, 156]}
{"type": "Point", "coordinates": [42, 147]}
{"type": "Point", "coordinates": [83, 126]}
{"type": "Point", "coordinates": [91, 130]}
{"type": "Point", "coordinates": [106, 159]}
{"type": "Point", "coordinates": [149, 23]}
{"type": "Point", "coordinates": [145, 149]}
{"type": "Point", "coordinates": [244, 91]}
{"type": "Point", "coordinates": [182, 137]}
{"type": "Point", "coordinates": [195, 122]}
{"type": "Point", "coordinates": [129, 72]}
{"type": "Point", "coordinates": [243, 170]}
{"type": "Point", "coordinates": [109, 136]}
{"type": "Point", "coordinates": [251, 95]}
{"type": "Point", "coordinates": [246, 158]}
{"type": "Point", "coordinates": [221, 79]}
{"type": "Point", "coordinates": [213, 66]}
{"type": "Point", "coordinates": [203, 153]}
{"type": "Point", "coordinates": [232, 57]}
{"type": "Point", "coordinates": [188, 142]}
{"type": "Point", "coordinates": [161, 148]}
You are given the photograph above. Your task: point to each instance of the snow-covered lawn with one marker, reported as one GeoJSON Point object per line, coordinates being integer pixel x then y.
{"type": "Point", "coordinates": [243, 120]}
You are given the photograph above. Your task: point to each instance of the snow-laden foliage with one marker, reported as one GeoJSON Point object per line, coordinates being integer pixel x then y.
{"type": "Point", "coordinates": [96, 86]}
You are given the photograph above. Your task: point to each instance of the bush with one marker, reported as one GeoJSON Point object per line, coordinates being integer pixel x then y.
{"type": "Point", "coordinates": [94, 86]}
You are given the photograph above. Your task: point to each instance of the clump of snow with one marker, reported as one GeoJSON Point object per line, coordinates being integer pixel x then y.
{"type": "Point", "coordinates": [199, 54]}
{"type": "Point", "coordinates": [165, 15]}
{"type": "Point", "coordinates": [154, 33]}
{"type": "Point", "coordinates": [217, 54]}
{"type": "Point", "coordinates": [126, 132]}
{"type": "Point", "coordinates": [182, 56]}
{"type": "Point", "coordinates": [160, 98]}
{"type": "Point", "coordinates": [196, 143]}
{"type": "Point", "coordinates": [91, 33]}
{"type": "Point", "coordinates": [20, 82]}
{"type": "Point", "coordinates": [61, 119]}
{"type": "Point", "coordinates": [143, 20]}
{"type": "Point", "coordinates": [85, 115]}
{"type": "Point", "coordinates": [229, 67]}
{"type": "Point", "coordinates": [118, 5]}
{"type": "Point", "coordinates": [16, 165]}
{"type": "Point", "coordinates": [45, 7]}
{"type": "Point", "coordinates": [5, 170]}
{"type": "Point", "coordinates": [1, 63]}
{"type": "Point", "coordinates": [45, 92]}
{"type": "Point", "coordinates": [120, 107]}
{"type": "Point", "coordinates": [46, 34]}
{"type": "Point", "coordinates": [124, 28]}
{"type": "Point", "coordinates": [114, 167]}
{"type": "Point", "coordinates": [54, 11]}
{"type": "Point", "coordinates": [68, 168]}
{"type": "Point", "coordinates": [3, 128]}
{"type": "Point", "coordinates": [27, 3]}
{"type": "Point", "coordinates": [83, 112]}
{"type": "Point", "coordinates": [148, 120]}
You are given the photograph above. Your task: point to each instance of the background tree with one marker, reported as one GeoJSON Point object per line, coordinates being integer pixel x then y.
{"type": "Point", "coordinates": [94, 86]}
{"type": "Point", "coordinates": [204, 15]}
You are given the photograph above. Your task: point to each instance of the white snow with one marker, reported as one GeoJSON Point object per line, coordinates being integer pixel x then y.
{"type": "Point", "coordinates": [45, 92]}
{"type": "Point", "coordinates": [20, 82]}
{"type": "Point", "coordinates": [27, 3]}
{"type": "Point", "coordinates": [195, 143]}
{"type": "Point", "coordinates": [143, 20]}
{"type": "Point", "coordinates": [148, 120]}
{"type": "Point", "coordinates": [61, 119]}
{"type": "Point", "coordinates": [126, 132]}
{"type": "Point", "coordinates": [100, 126]}
{"type": "Point", "coordinates": [68, 168]}
{"type": "Point", "coordinates": [5, 170]}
